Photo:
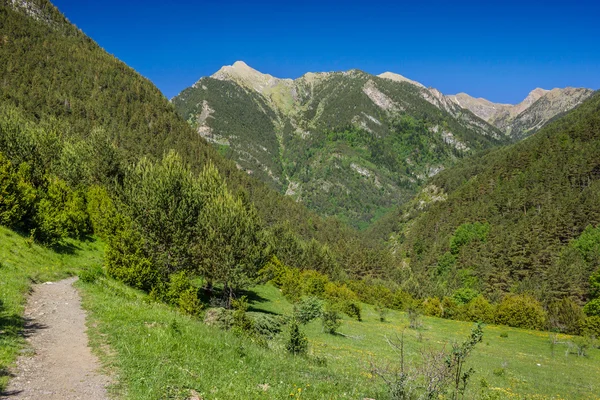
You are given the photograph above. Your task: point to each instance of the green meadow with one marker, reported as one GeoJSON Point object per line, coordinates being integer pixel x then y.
{"type": "Point", "coordinates": [154, 352]}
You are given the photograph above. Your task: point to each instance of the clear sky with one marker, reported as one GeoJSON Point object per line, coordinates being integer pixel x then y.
{"type": "Point", "coordinates": [499, 50]}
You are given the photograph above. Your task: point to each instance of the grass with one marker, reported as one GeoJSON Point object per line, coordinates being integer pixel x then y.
{"type": "Point", "coordinates": [159, 353]}
{"type": "Point", "coordinates": [155, 353]}
{"type": "Point", "coordinates": [23, 263]}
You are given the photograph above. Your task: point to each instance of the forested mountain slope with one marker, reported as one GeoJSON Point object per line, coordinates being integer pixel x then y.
{"type": "Point", "coordinates": [344, 143]}
{"type": "Point", "coordinates": [54, 80]}
{"type": "Point", "coordinates": [508, 221]}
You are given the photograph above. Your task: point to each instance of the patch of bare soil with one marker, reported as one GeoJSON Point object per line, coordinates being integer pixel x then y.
{"type": "Point", "coordinates": [59, 363]}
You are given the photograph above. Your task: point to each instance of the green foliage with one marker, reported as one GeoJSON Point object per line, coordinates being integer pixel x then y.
{"type": "Point", "coordinates": [296, 343]}
{"type": "Point", "coordinates": [592, 307]}
{"type": "Point", "coordinates": [291, 286]}
{"type": "Point", "coordinates": [17, 195]}
{"type": "Point", "coordinates": [590, 326]}
{"type": "Point", "coordinates": [433, 307]}
{"type": "Point", "coordinates": [313, 283]}
{"type": "Point", "coordinates": [451, 309]}
{"type": "Point", "coordinates": [531, 199]}
{"type": "Point", "coordinates": [479, 309]}
{"type": "Point", "coordinates": [467, 233]}
{"type": "Point", "coordinates": [521, 311]}
{"type": "Point", "coordinates": [308, 309]}
{"type": "Point", "coordinates": [344, 299]}
{"type": "Point", "coordinates": [565, 316]}
{"type": "Point", "coordinates": [60, 213]}
{"type": "Point", "coordinates": [127, 261]}
{"type": "Point", "coordinates": [330, 319]}
{"type": "Point", "coordinates": [90, 274]}
{"type": "Point", "coordinates": [104, 216]}
{"type": "Point", "coordinates": [464, 295]}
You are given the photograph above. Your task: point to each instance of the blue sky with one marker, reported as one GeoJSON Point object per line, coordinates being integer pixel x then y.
{"type": "Point", "coordinates": [492, 49]}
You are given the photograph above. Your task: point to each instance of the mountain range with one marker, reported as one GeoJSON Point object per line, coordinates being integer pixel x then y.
{"type": "Point", "coordinates": [352, 144]}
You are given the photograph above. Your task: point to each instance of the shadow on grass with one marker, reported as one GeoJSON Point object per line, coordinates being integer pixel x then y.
{"type": "Point", "coordinates": [13, 326]}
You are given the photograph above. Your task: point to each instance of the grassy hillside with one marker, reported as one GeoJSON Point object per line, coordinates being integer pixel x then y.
{"type": "Point", "coordinates": [159, 354]}
{"type": "Point", "coordinates": [534, 198]}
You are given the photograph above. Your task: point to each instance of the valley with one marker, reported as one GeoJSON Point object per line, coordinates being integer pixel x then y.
{"type": "Point", "coordinates": [338, 235]}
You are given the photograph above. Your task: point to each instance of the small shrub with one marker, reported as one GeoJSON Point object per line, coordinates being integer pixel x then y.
{"type": "Point", "coordinates": [480, 310]}
{"type": "Point", "coordinates": [331, 320]}
{"type": "Point", "coordinates": [352, 309]}
{"type": "Point", "coordinates": [308, 309]}
{"type": "Point", "coordinates": [521, 311]}
{"type": "Point", "coordinates": [297, 343]}
{"type": "Point", "coordinates": [451, 309]}
{"type": "Point", "coordinates": [291, 286]}
{"type": "Point", "coordinates": [565, 316]}
{"type": "Point", "coordinates": [125, 261]}
{"type": "Point", "coordinates": [313, 283]}
{"type": "Point", "coordinates": [381, 311]}
{"type": "Point", "coordinates": [433, 307]}
{"type": "Point", "coordinates": [189, 303]}
{"type": "Point", "coordinates": [266, 325]}
{"type": "Point", "coordinates": [504, 335]}
{"type": "Point", "coordinates": [242, 324]}
{"type": "Point", "coordinates": [401, 300]}
{"type": "Point", "coordinates": [591, 326]}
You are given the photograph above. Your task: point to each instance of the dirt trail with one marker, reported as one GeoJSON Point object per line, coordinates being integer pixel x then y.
{"type": "Point", "coordinates": [62, 366]}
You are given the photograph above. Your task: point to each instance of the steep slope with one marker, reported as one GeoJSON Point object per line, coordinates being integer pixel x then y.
{"type": "Point", "coordinates": [501, 222]}
{"type": "Point", "coordinates": [344, 143]}
{"type": "Point", "coordinates": [523, 119]}
{"type": "Point", "coordinates": [53, 76]}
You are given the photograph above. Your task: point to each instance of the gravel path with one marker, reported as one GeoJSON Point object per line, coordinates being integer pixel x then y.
{"type": "Point", "coordinates": [62, 365]}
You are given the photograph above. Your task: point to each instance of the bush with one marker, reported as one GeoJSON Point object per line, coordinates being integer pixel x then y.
{"type": "Point", "coordinates": [592, 308]}
{"type": "Point", "coordinates": [591, 326]}
{"type": "Point", "coordinates": [451, 309]}
{"type": "Point", "coordinates": [297, 343]}
{"type": "Point", "coordinates": [266, 325]}
{"type": "Point", "coordinates": [381, 311]}
{"type": "Point", "coordinates": [331, 320]}
{"type": "Point", "coordinates": [401, 300]}
{"type": "Point", "coordinates": [313, 283]}
{"type": "Point", "coordinates": [291, 285]}
{"type": "Point", "coordinates": [480, 310]}
{"type": "Point", "coordinates": [17, 195]}
{"type": "Point", "coordinates": [308, 309]}
{"type": "Point", "coordinates": [352, 309]}
{"type": "Point", "coordinates": [464, 295]}
{"type": "Point", "coordinates": [103, 214]}
{"type": "Point", "coordinates": [565, 316]}
{"type": "Point", "coordinates": [60, 213]}
{"type": "Point", "coordinates": [521, 311]}
{"type": "Point", "coordinates": [433, 307]}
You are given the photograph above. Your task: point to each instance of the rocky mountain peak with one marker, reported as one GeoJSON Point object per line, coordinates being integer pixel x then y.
{"type": "Point", "coordinates": [399, 78]}
{"type": "Point", "coordinates": [246, 76]}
